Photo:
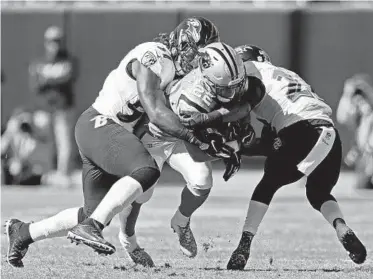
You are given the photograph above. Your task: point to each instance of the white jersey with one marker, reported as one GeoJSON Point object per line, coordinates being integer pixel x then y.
{"type": "Point", "coordinates": [118, 98]}
{"type": "Point", "coordinates": [288, 99]}
{"type": "Point", "coordinates": [191, 94]}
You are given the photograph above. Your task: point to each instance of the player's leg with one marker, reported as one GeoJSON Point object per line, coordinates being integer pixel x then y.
{"type": "Point", "coordinates": [198, 176]}
{"type": "Point", "coordinates": [262, 196]}
{"type": "Point", "coordinates": [119, 153]}
{"type": "Point", "coordinates": [160, 151]}
{"type": "Point", "coordinates": [318, 189]}
{"type": "Point", "coordinates": [20, 234]}
{"type": "Point", "coordinates": [127, 237]}
{"type": "Point", "coordinates": [280, 169]}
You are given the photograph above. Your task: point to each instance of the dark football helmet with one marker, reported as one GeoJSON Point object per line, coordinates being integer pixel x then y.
{"type": "Point", "coordinates": [253, 53]}
{"type": "Point", "coordinates": [190, 35]}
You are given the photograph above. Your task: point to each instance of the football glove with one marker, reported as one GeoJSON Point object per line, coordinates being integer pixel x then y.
{"type": "Point", "coordinates": [232, 165]}
{"type": "Point", "coordinates": [216, 144]}
{"type": "Point", "coordinates": [242, 132]}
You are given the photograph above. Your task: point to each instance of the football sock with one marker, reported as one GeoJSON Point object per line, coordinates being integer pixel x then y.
{"type": "Point", "coordinates": [121, 195]}
{"type": "Point", "coordinates": [55, 226]}
{"type": "Point", "coordinates": [254, 216]}
{"type": "Point", "coordinates": [191, 202]}
{"type": "Point", "coordinates": [181, 219]}
{"type": "Point", "coordinates": [331, 211]}
{"type": "Point", "coordinates": [128, 218]}
{"type": "Point", "coordinates": [128, 242]}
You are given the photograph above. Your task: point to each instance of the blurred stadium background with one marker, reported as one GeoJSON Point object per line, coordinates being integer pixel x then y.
{"type": "Point", "coordinates": [324, 41]}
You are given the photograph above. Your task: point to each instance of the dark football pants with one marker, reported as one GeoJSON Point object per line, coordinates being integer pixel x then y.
{"type": "Point", "coordinates": [110, 152]}
{"type": "Point", "coordinates": [281, 165]}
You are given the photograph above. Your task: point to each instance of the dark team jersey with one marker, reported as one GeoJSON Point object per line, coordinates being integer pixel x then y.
{"type": "Point", "coordinates": [53, 79]}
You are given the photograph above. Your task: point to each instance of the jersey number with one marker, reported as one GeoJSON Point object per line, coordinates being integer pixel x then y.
{"type": "Point", "coordinates": [295, 90]}
{"type": "Point", "coordinates": [135, 113]}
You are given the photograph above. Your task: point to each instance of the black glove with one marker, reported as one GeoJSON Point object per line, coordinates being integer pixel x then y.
{"type": "Point", "coordinates": [232, 165]}
{"type": "Point", "coordinates": [216, 143]}
{"type": "Point", "coordinates": [233, 131]}
{"type": "Point", "coordinates": [247, 135]}
{"type": "Point", "coordinates": [242, 132]}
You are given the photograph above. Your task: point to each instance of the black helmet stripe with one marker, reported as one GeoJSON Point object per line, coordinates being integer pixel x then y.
{"type": "Point", "coordinates": [225, 59]}
{"type": "Point", "coordinates": [231, 56]}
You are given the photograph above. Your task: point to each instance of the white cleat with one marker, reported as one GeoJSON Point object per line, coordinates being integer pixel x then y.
{"type": "Point", "coordinates": [187, 242]}
{"type": "Point", "coordinates": [137, 254]}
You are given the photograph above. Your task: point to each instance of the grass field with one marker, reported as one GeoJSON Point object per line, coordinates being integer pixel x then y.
{"type": "Point", "coordinates": [293, 242]}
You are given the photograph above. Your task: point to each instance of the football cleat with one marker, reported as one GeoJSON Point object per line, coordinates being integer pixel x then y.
{"type": "Point", "coordinates": [187, 242]}
{"type": "Point", "coordinates": [356, 250]}
{"type": "Point", "coordinates": [137, 254]}
{"type": "Point", "coordinates": [141, 257]}
{"type": "Point", "coordinates": [240, 256]}
{"type": "Point", "coordinates": [90, 234]}
{"type": "Point", "coordinates": [17, 249]}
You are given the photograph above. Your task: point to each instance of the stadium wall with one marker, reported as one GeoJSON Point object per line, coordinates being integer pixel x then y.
{"type": "Point", "coordinates": [325, 45]}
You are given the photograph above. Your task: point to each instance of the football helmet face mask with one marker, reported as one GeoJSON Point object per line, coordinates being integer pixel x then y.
{"type": "Point", "coordinates": [223, 68]}
{"type": "Point", "coordinates": [190, 35]}
{"type": "Point", "coordinates": [253, 53]}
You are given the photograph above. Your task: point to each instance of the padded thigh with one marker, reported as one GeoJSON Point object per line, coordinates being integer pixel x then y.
{"type": "Point", "coordinates": [110, 146]}
{"type": "Point", "coordinates": [96, 184]}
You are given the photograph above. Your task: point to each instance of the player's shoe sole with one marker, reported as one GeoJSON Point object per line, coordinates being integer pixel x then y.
{"type": "Point", "coordinates": [99, 247]}
{"type": "Point", "coordinates": [357, 251]}
{"type": "Point", "coordinates": [241, 255]}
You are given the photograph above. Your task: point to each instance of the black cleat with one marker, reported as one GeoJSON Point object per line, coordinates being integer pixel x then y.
{"type": "Point", "coordinates": [89, 233]}
{"type": "Point", "coordinates": [141, 257]}
{"type": "Point", "coordinates": [17, 248]}
{"type": "Point", "coordinates": [353, 246]}
{"type": "Point", "coordinates": [240, 256]}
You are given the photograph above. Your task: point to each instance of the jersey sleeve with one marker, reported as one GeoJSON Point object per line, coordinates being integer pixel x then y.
{"type": "Point", "coordinates": [157, 58]}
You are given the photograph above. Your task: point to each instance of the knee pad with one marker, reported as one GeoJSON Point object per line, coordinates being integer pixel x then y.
{"type": "Point", "coordinates": [146, 176]}
{"type": "Point", "coordinates": [145, 197]}
{"type": "Point", "coordinates": [316, 198]}
{"type": "Point", "coordinates": [199, 190]}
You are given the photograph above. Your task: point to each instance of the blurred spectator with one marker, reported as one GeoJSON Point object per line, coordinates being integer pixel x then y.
{"type": "Point", "coordinates": [51, 80]}
{"type": "Point", "coordinates": [355, 110]}
{"type": "Point", "coordinates": [25, 135]}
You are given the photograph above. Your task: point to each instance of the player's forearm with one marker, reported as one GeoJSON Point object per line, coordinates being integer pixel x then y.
{"type": "Point", "coordinates": [224, 115]}
{"type": "Point", "coordinates": [168, 122]}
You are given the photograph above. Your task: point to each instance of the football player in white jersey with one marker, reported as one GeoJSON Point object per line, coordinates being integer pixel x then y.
{"type": "Point", "coordinates": [307, 145]}
{"type": "Point", "coordinates": [196, 91]}
{"type": "Point", "coordinates": [116, 166]}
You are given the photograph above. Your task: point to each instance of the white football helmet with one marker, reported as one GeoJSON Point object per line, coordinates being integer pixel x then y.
{"type": "Point", "coordinates": [223, 67]}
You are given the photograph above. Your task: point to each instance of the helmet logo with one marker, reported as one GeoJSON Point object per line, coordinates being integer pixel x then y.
{"type": "Point", "coordinates": [205, 61]}
{"type": "Point", "coordinates": [148, 59]}
{"type": "Point", "coordinates": [194, 29]}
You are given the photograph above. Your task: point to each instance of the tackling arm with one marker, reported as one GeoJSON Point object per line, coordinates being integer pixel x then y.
{"type": "Point", "coordinates": [153, 101]}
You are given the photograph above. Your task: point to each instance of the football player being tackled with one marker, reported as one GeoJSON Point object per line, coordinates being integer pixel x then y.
{"type": "Point", "coordinates": [194, 92]}
{"type": "Point", "coordinates": [117, 168]}
{"type": "Point", "coordinates": [307, 145]}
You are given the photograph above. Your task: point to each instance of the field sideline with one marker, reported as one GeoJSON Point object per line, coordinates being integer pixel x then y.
{"type": "Point", "coordinates": [293, 242]}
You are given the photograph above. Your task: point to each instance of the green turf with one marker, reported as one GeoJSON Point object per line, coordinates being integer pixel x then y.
{"type": "Point", "coordinates": [293, 242]}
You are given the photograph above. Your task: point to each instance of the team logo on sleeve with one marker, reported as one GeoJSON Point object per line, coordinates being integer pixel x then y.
{"type": "Point", "coordinates": [148, 59]}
